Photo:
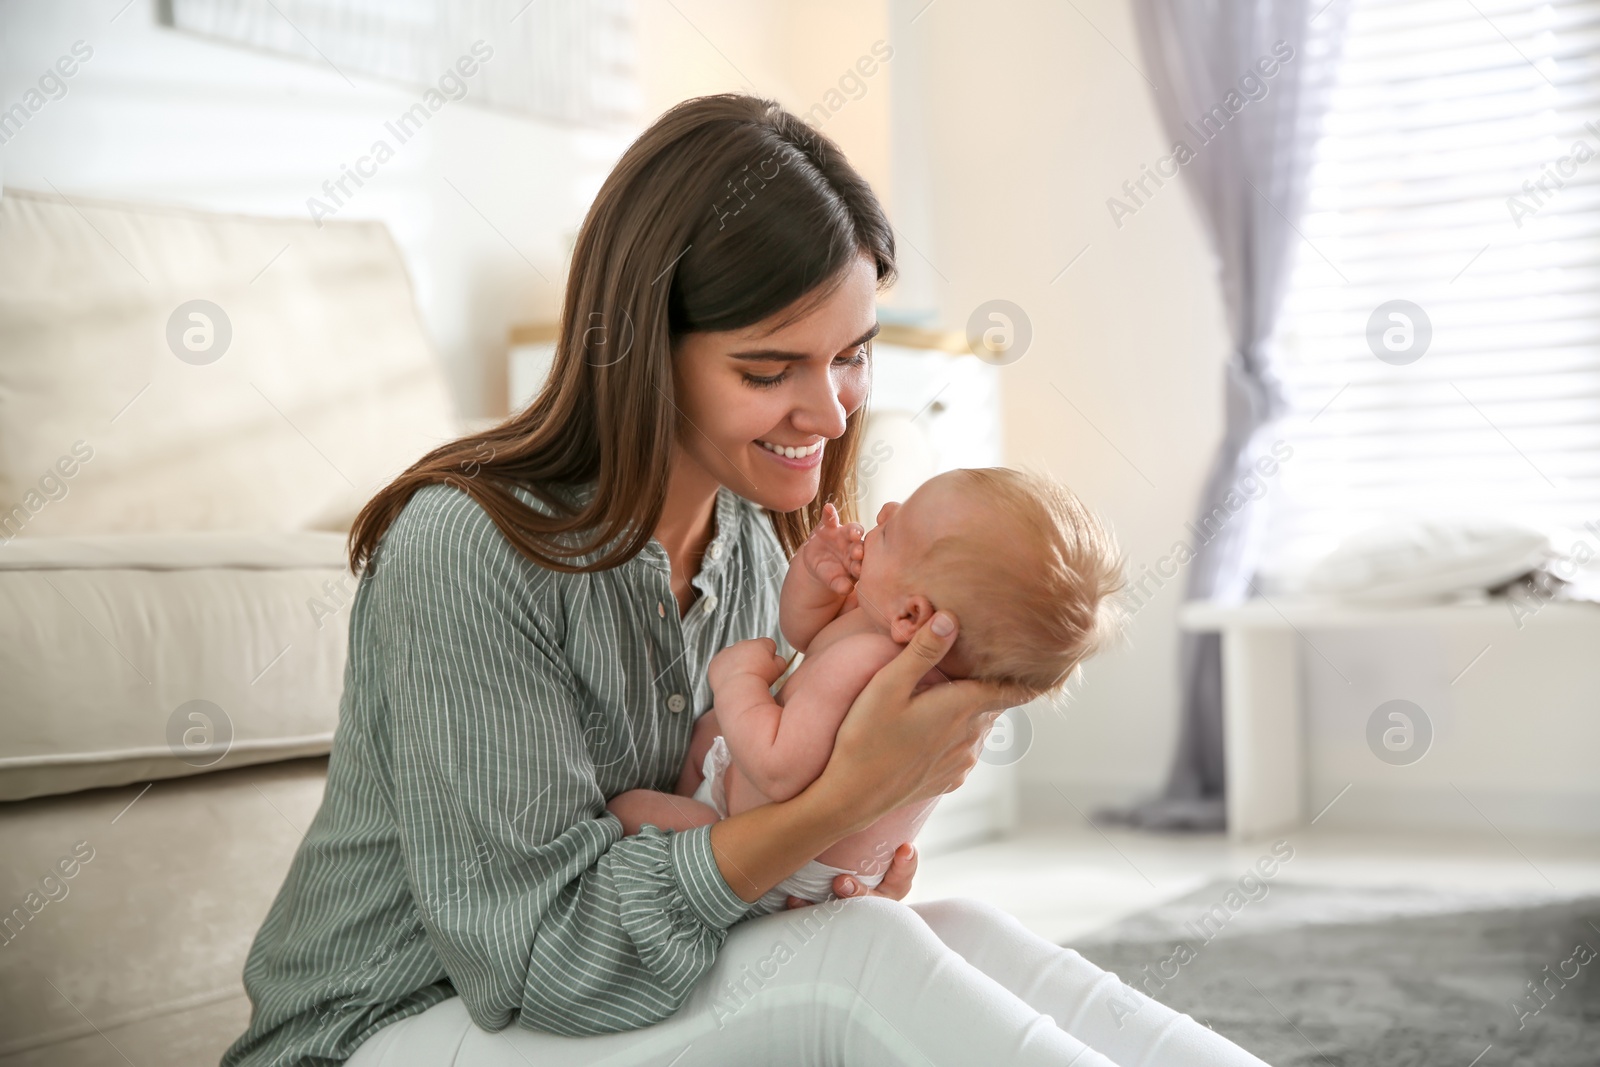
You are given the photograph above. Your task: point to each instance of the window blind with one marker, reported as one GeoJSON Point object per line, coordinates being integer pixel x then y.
{"type": "Point", "coordinates": [1457, 169]}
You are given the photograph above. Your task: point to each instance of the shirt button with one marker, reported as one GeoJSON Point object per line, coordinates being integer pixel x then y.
{"type": "Point", "coordinates": [711, 603]}
{"type": "Point", "coordinates": [661, 609]}
{"type": "Point", "coordinates": [716, 550]}
{"type": "Point", "coordinates": [676, 703]}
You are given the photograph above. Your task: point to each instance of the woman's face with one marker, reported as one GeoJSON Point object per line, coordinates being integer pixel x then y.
{"type": "Point", "coordinates": [761, 406]}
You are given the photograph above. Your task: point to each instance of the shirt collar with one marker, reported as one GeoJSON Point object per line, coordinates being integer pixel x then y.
{"type": "Point", "coordinates": [725, 539]}
{"type": "Point", "coordinates": [730, 526]}
{"type": "Point", "coordinates": [729, 512]}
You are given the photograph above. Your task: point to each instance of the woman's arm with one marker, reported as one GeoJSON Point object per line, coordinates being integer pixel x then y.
{"type": "Point", "coordinates": [535, 904]}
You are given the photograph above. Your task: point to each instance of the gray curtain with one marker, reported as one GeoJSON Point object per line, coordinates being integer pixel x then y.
{"type": "Point", "coordinates": [1248, 175]}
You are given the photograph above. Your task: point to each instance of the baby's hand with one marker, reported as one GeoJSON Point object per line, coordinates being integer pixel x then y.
{"type": "Point", "coordinates": [758, 656]}
{"type": "Point", "coordinates": [832, 554]}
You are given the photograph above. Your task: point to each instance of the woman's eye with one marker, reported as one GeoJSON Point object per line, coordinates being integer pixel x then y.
{"type": "Point", "coordinates": [767, 381]}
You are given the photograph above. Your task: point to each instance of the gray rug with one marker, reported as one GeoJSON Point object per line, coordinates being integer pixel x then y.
{"type": "Point", "coordinates": [1315, 977]}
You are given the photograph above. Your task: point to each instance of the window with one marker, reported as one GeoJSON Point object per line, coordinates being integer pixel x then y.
{"type": "Point", "coordinates": [1458, 169]}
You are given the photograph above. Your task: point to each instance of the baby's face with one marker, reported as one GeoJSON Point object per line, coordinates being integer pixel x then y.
{"type": "Point", "coordinates": [892, 549]}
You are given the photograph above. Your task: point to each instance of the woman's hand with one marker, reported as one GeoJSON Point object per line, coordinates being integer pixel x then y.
{"type": "Point", "coordinates": [895, 885]}
{"type": "Point", "coordinates": [894, 749]}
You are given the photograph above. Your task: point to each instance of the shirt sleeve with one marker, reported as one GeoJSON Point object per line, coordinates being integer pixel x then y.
{"type": "Point", "coordinates": [533, 899]}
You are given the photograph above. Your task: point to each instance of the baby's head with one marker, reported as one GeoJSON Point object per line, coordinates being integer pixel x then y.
{"type": "Point", "coordinates": [1027, 569]}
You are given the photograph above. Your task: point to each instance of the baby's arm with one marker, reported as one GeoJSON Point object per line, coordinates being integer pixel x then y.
{"type": "Point", "coordinates": [741, 677]}
{"type": "Point", "coordinates": [822, 575]}
{"type": "Point", "coordinates": [783, 749]}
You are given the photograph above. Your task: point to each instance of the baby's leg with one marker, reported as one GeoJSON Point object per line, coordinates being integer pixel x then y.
{"type": "Point", "coordinates": [1091, 1004]}
{"type": "Point", "coordinates": [639, 806]}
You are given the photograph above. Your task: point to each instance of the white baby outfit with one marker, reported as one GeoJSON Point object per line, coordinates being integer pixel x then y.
{"type": "Point", "coordinates": [814, 881]}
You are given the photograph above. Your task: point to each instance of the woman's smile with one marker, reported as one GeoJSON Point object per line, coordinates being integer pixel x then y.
{"type": "Point", "coordinates": [796, 457]}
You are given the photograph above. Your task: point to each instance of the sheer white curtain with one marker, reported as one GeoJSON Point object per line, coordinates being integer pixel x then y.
{"type": "Point", "coordinates": [1239, 84]}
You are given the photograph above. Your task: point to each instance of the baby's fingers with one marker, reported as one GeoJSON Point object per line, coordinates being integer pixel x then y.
{"type": "Point", "coordinates": [835, 575]}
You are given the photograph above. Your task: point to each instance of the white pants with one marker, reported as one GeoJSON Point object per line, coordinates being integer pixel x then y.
{"type": "Point", "coordinates": [864, 982]}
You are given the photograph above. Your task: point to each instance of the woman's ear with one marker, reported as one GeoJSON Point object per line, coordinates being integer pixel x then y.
{"type": "Point", "coordinates": [912, 615]}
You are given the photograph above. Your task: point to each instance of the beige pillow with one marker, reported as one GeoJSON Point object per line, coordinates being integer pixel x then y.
{"type": "Point", "coordinates": [121, 411]}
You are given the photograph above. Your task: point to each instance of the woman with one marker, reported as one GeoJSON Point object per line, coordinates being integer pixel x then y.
{"type": "Point", "coordinates": [538, 606]}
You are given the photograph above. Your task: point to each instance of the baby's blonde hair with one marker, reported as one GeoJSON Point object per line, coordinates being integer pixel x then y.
{"type": "Point", "coordinates": [1038, 596]}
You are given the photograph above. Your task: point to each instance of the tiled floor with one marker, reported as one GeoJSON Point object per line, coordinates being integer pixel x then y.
{"type": "Point", "coordinates": [1064, 880]}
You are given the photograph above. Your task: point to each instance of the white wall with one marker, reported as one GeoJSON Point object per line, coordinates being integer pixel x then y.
{"type": "Point", "coordinates": [794, 51]}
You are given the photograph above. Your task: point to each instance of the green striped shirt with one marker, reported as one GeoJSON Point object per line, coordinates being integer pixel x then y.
{"type": "Point", "coordinates": [491, 706]}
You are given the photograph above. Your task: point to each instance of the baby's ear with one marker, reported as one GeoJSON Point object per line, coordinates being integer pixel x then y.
{"type": "Point", "coordinates": [912, 616]}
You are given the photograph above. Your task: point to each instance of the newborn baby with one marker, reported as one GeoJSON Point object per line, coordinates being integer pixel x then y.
{"type": "Point", "coordinates": [1016, 557]}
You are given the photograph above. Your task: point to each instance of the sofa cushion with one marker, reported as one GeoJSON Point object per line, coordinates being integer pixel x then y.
{"type": "Point", "coordinates": [152, 656]}
{"type": "Point", "coordinates": [301, 384]}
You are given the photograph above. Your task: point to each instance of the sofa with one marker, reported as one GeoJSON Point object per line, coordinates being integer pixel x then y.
{"type": "Point", "coordinates": [193, 408]}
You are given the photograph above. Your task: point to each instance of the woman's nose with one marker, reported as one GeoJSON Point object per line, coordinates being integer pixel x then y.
{"type": "Point", "coordinates": [822, 410]}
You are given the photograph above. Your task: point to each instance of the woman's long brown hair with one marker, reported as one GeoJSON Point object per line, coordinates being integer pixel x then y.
{"type": "Point", "coordinates": [727, 210]}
